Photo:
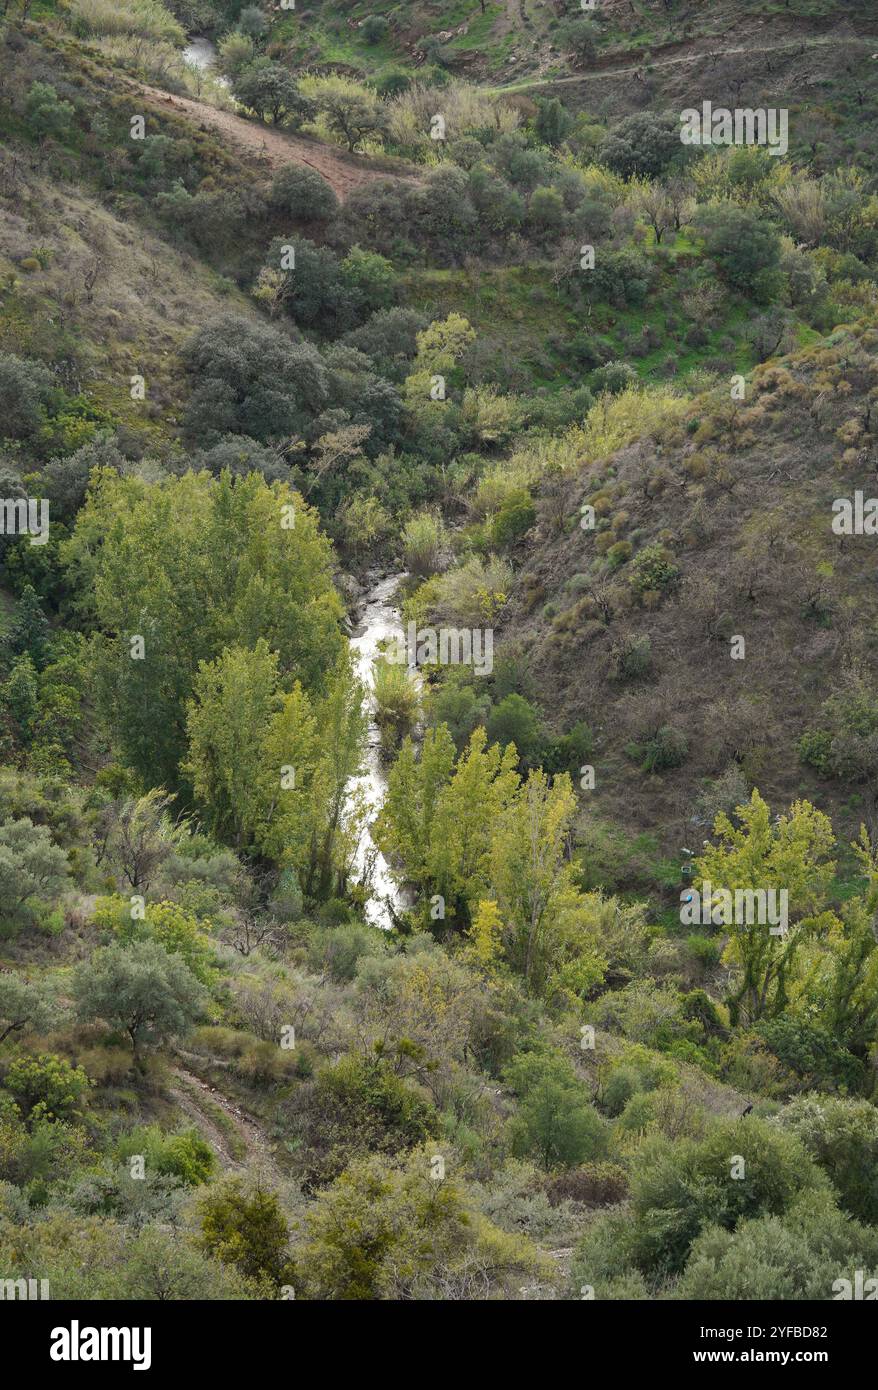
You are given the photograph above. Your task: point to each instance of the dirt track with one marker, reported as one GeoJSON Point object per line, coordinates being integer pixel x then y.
{"type": "Point", "coordinates": [250, 1153]}
{"type": "Point", "coordinates": [707, 54]}
{"type": "Point", "coordinates": [274, 148]}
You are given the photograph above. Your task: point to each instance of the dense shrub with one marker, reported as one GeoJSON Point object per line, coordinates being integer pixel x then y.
{"type": "Point", "coordinates": [841, 1135]}
{"type": "Point", "coordinates": [47, 1087]}
{"type": "Point", "coordinates": [594, 1184]}
{"type": "Point", "coordinates": [303, 194]}
{"type": "Point", "coordinates": [250, 379]}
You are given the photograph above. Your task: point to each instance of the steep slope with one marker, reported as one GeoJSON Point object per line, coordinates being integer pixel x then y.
{"type": "Point", "coordinates": [274, 149]}
{"type": "Point", "coordinates": [710, 529]}
{"type": "Point", "coordinates": [102, 300]}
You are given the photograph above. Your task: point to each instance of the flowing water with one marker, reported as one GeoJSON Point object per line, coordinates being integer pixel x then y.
{"type": "Point", "coordinates": [201, 53]}
{"type": "Point", "coordinates": [379, 620]}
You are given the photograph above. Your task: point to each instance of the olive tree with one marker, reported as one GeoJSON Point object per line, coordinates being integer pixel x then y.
{"type": "Point", "coordinates": [140, 989]}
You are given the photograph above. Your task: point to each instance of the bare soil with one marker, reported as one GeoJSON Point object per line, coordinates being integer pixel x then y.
{"type": "Point", "coordinates": [276, 149]}
{"type": "Point", "coordinates": [252, 1154]}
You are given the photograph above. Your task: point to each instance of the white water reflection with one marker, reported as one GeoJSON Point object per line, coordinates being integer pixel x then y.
{"type": "Point", "coordinates": [379, 620]}
{"type": "Point", "coordinates": [201, 53]}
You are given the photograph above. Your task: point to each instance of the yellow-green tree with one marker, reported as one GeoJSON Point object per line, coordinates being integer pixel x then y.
{"type": "Point", "coordinates": [440, 347]}
{"type": "Point", "coordinates": [404, 829]}
{"type": "Point", "coordinates": [169, 574]}
{"type": "Point", "coordinates": [791, 853]}
{"type": "Point", "coordinates": [271, 769]}
{"type": "Point", "coordinates": [467, 810]}
{"type": "Point", "coordinates": [529, 866]}
{"type": "Point", "coordinates": [438, 816]}
{"type": "Point", "coordinates": [233, 700]}
{"type": "Point", "coordinates": [486, 933]}
{"type": "Point", "coordinates": [394, 1231]}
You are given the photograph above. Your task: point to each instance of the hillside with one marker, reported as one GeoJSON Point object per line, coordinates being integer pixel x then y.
{"type": "Point", "coordinates": [438, 703]}
{"type": "Point", "coordinates": [739, 495]}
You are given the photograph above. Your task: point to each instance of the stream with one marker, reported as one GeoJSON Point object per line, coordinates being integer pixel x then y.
{"type": "Point", "coordinates": [379, 618]}
{"type": "Point", "coordinates": [201, 53]}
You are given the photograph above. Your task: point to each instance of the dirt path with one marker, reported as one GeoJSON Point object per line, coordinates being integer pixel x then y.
{"type": "Point", "coordinates": [274, 148]}
{"type": "Point", "coordinates": [703, 55]}
{"type": "Point", "coordinates": [245, 1149]}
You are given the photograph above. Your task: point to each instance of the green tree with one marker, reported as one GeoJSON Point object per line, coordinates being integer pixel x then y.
{"type": "Point", "coordinates": [251, 379]}
{"type": "Point", "coordinates": [139, 988]}
{"type": "Point", "coordinates": [404, 828]}
{"type": "Point", "coordinates": [288, 807]}
{"type": "Point", "coordinates": [746, 249]}
{"type": "Point", "coordinates": [252, 22]}
{"type": "Point", "coordinates": [268, 89]}
{"type": "Point", "coordinates": [553, 122]}
{"type": "Point", "coordinates": [529, 867]}
{"type": "Point", "coordinates": [388, 337]}
{"type": "Point", "coordinates": [351, 111]}
{"type": "Point", "coordinates": [31, 864]}
{"type": "Point", "coordinates": [374, 28]}
{"type": "Point", "coordinates": [27, 392]}
{"type": "Point", "coordinates": [578, 38]}
{"type": "Point", "coordinates": [372, 277]}
{"type": "Point", "coordinates": [177, 931]}
{"type": "Point", "coordinates": [302, 193]}
{"type": "Point", "coordinates": [679, 1188]}
{"type": "Point", "coordinates": [516, 721]}
{"type": "Point", "coordinates": [554, 1121]}
{"type": "Point", "coordinates": [193, 566]}
{"type": "Point", "coordinates": [392, 84]}
{"type": "Point", "coordinates": [458, 704]}
{"type": "Point", "coordinates": [46, 114]}
{"type": "Point", "coordinates": [545, 213]}
{"type": "Point", "coordinates": [272, 769]}
{"type": "Point", "coordinates": [467, 810]}
{"type": "Point", "coordinates": [841, 1135]}
{"type": "Point", "coordinates": [360, 1105]}
{"type": "Point", "coordinates": [341, 719]}
{"type": "Point", "coordinates": [801, 1255]}
{"type": "Point", "coordinates": [159, 1266]}
{"type": "Point", "coordinates": [28, 633]}
{"type": "Point", "coordinates": [245, 1227]}
{"type": "Point", "coordinates": [235, 51]}
{"type": "Point", "coordinates": [20, 695]}
{"type": "Point", "coordinates": [234, 697]}
{"type": "Point", "coordinates": [392, 1230]}
{"type": "Point", "coordinates": [788, 853]}
{"type": "Point", "coordinates": [316, 290]}
{"type": "Point", "coordinates": [24, 1004]}
{"type": "Point", "coordinates": [439, 816]}
{"type": "Point", "coordinates": [849, 1000]}
{"type": "Point", "coordinates": [644, 145]}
